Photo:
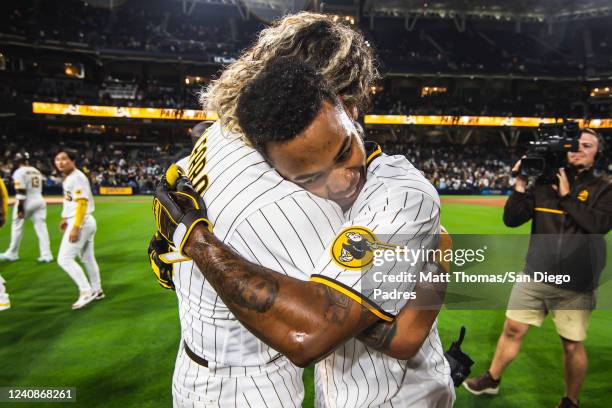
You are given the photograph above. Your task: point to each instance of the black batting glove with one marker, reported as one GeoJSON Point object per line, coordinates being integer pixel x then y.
{"type": "Point", "coordinates": [162, 270]}
{"type": "Point", "coordinates": [178, 208]}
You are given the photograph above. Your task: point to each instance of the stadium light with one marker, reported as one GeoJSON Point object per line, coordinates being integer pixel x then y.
{"type": "Point", "coordinates": [74, 70]}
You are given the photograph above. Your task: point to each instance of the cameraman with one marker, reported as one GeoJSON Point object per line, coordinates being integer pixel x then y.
{"type": "Point", "coordinates": [578, 211]}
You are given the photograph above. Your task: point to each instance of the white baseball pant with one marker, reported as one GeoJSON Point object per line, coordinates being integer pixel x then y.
{"type": "Point", "coordinates": [84, 249]}
{"type": "Point", "coordinates": [275, 386]}
{"type": "Point", "coordinates": [4, 297]}
{"type": "Point", "coordinates": [37, 211]}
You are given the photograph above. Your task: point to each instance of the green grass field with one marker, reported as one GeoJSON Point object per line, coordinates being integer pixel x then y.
{"type": "Point", "coordinates": [120, 352]}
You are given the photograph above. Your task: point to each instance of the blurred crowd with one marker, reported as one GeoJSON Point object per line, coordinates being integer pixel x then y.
{"type": "Point", "coordinates": [215, 36]}
{"type": "Point", "coordinates": [135, 26]}
{"type": "Point", "coordinates": [105, 165]}
{"type": "Point", "coordinates": [484, 105]}
{"type": "Point", "coordinates": [451, 168]}
{"type": "Point", "coordinates": [469, 169]}
{"type": "Point", "coordinates": [466, 168]}
{"type": "Point", "coordinates": [158, 26]}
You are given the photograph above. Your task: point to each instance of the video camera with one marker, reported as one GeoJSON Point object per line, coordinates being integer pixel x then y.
{"type": "Point", "coordinates": [549, 151]}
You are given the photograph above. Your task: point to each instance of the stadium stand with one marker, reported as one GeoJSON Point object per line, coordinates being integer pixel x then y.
{"type": "Point", "coordinates": [159, 54]}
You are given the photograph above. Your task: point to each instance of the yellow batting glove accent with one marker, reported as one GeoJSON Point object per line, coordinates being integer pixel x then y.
{"type": "Point", "coordinates": [172, 175]}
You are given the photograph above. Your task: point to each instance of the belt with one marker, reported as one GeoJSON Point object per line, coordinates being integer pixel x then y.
{"type": "Point", "coordinates": [194, 357]}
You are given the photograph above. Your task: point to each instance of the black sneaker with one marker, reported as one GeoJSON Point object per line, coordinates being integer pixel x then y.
{"type": "Point", "coordinates": [484, 384]}
{"type": "Point", "coordinates": [567, 403]}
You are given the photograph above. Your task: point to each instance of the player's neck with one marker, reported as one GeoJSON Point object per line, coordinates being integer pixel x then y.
{"type": "Point", "coordinates": [69, 172]}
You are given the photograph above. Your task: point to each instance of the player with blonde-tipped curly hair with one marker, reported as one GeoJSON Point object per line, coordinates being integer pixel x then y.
{"type": "Point", "coordinates": [335, 50]}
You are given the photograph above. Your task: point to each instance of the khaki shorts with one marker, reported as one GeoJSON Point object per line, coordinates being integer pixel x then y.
{"type": "Point", "coordinates": [530, 302]}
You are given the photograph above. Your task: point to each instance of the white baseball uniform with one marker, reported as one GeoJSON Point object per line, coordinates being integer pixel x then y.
{"type": "Point", "coordinates": [272, 222]}
{"type": "Point", "coordinates": [5, 302]}
{"type": "Point", "coordinates": [396, 206]}
{"type": "Point", "coordinates": [76, 187]}
{"type": "Point", "coordinates": [31, 180]}
{"type": "Point", "coordinates": [4, 297]}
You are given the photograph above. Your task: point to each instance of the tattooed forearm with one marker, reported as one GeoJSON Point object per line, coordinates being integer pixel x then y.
{"type": "Point", "coordinates": [337, 305]}
{"type": "Point", "coordinates": [379, 335]}
{"type": "Point", "coordinates": [305, 321]}
{"type": "Point", "coordinates": [235, 280]}
{"type": "Point", "coordinates": [249, 290]}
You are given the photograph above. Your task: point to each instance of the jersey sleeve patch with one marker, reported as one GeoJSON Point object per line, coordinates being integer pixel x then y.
{"type": "Point", "coordinates": [353, 248]}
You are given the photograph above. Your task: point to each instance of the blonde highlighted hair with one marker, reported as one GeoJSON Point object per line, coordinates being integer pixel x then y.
{"type": "Point", "coordinates": [335, 50]}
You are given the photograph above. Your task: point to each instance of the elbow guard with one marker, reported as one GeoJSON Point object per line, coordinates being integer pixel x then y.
{"type": "Point", "coordinates": [20, 197]}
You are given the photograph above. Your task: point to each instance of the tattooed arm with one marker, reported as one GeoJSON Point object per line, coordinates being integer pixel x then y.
{"type": "Point", "coordinates": [403, 337]}
{"type": "Point", "coordinates": [303, 320]}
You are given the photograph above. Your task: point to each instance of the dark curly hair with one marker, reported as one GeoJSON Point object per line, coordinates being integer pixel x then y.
{"type": "Point", "coordinates": [281, 101]}
{"type": "Point", "coordinates": [72, 154]}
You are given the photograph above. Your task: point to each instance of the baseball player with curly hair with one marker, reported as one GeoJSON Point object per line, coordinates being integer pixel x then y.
{"type": "Point", "coordinates": [276, 221]}
{"type": "Point", "coordinates": [79, 227]}
{"type": "Point", "coordinates": [29, 204]}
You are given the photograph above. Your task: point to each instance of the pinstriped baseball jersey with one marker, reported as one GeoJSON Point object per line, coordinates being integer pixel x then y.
{"type": "Point", "coordinates": [397, 207]}
{"type": "Point", "coordinates": [269, 221]}
{"type": "Point", "coordinates": [184, 164]}
{"type": "Point", "coordinates": [272, 222]}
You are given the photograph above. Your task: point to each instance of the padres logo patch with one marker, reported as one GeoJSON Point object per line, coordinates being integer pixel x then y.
{"type": "Point", "coordinates": [583, 195]}
{"type": "Point", "coordinates": [354, 248]}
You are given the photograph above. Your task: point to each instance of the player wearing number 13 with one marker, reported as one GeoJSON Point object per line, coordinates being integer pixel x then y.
{"type": "Point", "coordinates": [29, 204]}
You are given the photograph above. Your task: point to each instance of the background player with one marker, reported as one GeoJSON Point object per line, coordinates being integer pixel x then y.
{"type": "Point", "coordinates": [5, 303]}
{"type": "Point", "coordinates": [29, 204]}
{"type": "Point", "coordinates": [79, 227]}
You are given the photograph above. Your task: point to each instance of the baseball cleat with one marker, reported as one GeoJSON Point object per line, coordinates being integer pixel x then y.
{"type": "Point", "coordinates": [7, 257]}
{"type": "Point", "coordinates": [45, 259]}
{"type": "Point", "coordinates": [484, 384]}
{"type": "Point", "coordinates": [84, 299]}
{"type": "Point", "coordinates": [567, 403]}
{"type": "Point", "coordinates": [98, 295]}
{"type": "Point", "coordinates": [4, 306]}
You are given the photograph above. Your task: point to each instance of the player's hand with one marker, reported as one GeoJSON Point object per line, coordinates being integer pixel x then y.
{"type": "Point", "coordinates": [20, 210]}
{"type": "Point", "coordinates": [75, 234]}
{"type": "Point", "coordinates": [63, 224]}
{"type": "Point", "coordinates": [177, 208]}
{"type": "Point", "coordinates": [521, 181]}
{"type": "Point", "coordinates": [163, 271]}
